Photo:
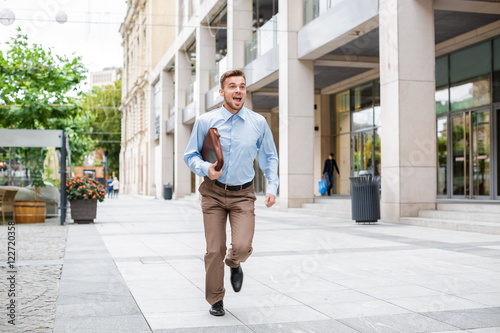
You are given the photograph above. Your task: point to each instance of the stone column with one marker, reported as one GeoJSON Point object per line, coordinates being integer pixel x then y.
{"type": "Point", "coordinates": [239, 29]}
{"type": "Point", "coordinates": [249, 100]}
{"type": "Point", "coordinates": [166, 140]}
{"type": "Point", "coordinates": [296, 112]}
{"type": "Point", "coordinates": [205, 61]}
{"type": "Point", "coordinates": [182, 173]}
{"type": "Point", "coordinates": [407, 84]}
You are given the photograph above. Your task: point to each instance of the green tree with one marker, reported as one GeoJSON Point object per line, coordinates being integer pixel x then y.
{"type": "Point", "coordinates": [35, 89]}
{"type": "Point", "coordinates": [103, 105]}
{"type": "Point", "coordinates": [35, 86]}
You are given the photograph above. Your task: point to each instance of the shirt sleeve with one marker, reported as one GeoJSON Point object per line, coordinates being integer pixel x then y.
{"type": "Point", "coordinates": [192, 154]}
{"type": "Point", "coordinates": [268, 159]}
{"type": "Point", "coordinates": [336, 167]}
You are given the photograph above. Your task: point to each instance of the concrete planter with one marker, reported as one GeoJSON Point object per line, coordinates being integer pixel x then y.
{"type": "Point", "coordinates": [83, 211]}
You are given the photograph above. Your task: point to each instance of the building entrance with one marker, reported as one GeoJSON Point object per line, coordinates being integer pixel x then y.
{"type": "Point", "coordinates": [471, 154]}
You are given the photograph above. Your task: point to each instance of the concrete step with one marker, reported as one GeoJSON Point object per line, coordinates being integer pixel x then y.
{"type": "Point", "coordinates": [491, 228]}
{"type": "Point", "coordinates": [468, 215]}
{"type": "Point", "coordinates": [333, 207]}
{"type": "Point", "coordinates": [333, 200]}
{"type": "Point", "coordinates": [321, 213]}
{"type": "Point", "coordinates": [467, 206]}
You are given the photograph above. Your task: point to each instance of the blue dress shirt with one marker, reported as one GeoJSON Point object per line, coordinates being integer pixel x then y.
{"type": "Point", "coordinates": [242, 135]}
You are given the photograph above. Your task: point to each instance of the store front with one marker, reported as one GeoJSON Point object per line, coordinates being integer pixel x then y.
{"type": "Point", "coordinates": [356, 132]}
{"type": "Point", "coordinates": [467, 122]}
{"type": "Point", "coordinates": [468, 125]}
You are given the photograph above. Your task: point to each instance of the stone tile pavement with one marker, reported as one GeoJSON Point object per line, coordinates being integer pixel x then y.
{"type": "Point", "coordinates": [39, 250]}
{"type": "Point", "coordinates": [139, 268]}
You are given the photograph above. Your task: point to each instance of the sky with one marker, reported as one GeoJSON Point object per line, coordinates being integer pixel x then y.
{"type": "Point", "coordinates": [91, 29]}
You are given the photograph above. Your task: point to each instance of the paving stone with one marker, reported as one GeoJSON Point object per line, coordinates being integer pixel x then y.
{"type": "Point", "coordinates": [37, 280]}
{"type": "Point", "coordinates": [140, 268]}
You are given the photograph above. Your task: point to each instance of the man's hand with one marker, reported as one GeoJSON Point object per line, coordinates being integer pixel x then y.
{"type": "Point", "coordinates": [270, 200]}
{"type": "Point", "coordinates": [212, 174]}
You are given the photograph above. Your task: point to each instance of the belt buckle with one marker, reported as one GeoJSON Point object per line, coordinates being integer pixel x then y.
{"type": "Point", "coordinates": [225, 187]}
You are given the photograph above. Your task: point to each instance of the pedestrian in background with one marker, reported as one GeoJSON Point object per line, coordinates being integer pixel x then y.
{"type": "Point", "coordinates": [116, 187]}
{"type": "Point", "coordinates": [230, 191]}
{"type": "Point", "coordinates": [328, 170]}
{"type": "Point", "coordinates": [109, 187]}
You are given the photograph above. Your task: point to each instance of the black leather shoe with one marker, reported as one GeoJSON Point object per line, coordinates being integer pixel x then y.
{"type": "Point", "coordinates": [236, 278]}
{"type": "Point", "coordinates": [217, 309]}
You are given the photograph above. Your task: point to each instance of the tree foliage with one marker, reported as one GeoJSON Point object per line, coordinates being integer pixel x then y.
{"type": "Point", "coordinates": [103, 105]}
{"type": "Point", "coordinates": [38, 90]}
{"type": "Point", "coordinates": [35, 86]}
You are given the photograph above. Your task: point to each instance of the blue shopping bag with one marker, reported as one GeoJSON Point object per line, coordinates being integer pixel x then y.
{"type": "Point", "coordinates": [322, 186]}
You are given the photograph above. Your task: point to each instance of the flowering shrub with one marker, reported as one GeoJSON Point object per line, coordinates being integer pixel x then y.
{"type": "Point", "coordinates": [84, 189]}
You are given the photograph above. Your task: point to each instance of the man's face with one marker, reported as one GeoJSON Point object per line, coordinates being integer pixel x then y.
{"type": "Point", "coordinates": [234, 93]}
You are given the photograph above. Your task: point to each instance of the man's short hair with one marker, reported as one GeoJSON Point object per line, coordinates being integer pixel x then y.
{"type": "Point", "coordinates": [232, 72]}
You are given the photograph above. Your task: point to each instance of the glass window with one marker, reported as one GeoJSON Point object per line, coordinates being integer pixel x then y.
{"type": "Point", "coordinates": [343, 101]}
{"type": "Point", "coordinates": [481, 153]}
{"type": "Point", "coordinates": [496, 70]}
{"type": "Point", "coordinates": [376, 93]}
{"type": "Point", "coordinates": [442, 155]}
{"type": "Point", "coordinates": [363, 96]}
{"type": "Point", "coordinates": [469, 94]}
{"type": "Point", "coordinates": [442, 100]}
{"type": "Point", "coordinates": [442, 71]}
{"type": "Point", "coordinates": [377, 116]}
{"type": "Point", "coordinates": [342, 122]}
{"type": "Point", "coordinates": [471, 62]}
{"type": "Point", "coordinates": [378, 152]}
{"type": "Point", "coordinates": [362, 119]}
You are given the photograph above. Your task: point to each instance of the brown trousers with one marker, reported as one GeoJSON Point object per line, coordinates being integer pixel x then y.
{"type": "Point", "coordinates": [217, 204]}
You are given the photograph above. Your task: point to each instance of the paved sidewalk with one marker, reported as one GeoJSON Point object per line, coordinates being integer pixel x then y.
{"type": "Point", "coordinates": [139, 268]}
{"type": "Point", "coordinates": [33, 280]}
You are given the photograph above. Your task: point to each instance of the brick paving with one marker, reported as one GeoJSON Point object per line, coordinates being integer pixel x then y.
{"type": "Point", "coordinates": [39, 250]}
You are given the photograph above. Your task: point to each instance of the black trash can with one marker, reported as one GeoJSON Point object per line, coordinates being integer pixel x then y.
{"type": "Point", "coordinates": [167, 191]}
{"type": "Point", "coordinates": [365, 198]}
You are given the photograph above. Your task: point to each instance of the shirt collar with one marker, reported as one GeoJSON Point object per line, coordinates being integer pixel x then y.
{"type": "Point", "coordinates": [226, 114]}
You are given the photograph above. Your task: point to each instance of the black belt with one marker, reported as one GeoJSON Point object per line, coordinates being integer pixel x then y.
{"type": "Point", "coordinates": [233, 187]}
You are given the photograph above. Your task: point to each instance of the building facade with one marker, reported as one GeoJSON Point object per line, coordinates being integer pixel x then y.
{"type": "Point", "coordinates": [106, 77]}
{"type": "Point", "coordinates": [403, 89]}
{"type": "Point", "coordinates": [147, 32]}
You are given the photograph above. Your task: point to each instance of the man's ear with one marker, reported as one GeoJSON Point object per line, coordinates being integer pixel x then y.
{"type": "Point", "coordinates": [221, 92]}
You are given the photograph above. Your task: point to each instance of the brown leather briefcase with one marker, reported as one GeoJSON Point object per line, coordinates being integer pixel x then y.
{"type": "Point", "coordinates": [212, 149]}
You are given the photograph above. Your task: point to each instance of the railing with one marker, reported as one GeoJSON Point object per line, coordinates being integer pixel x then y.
{"type": "Point", "coordinates": [217, 71]}
{"type": "Point", "coordinates": [314, 8]}
{"type": "Point", "coordinates": [171, 108]}
{"type": "Point", "coordinates": [263, 40]}
{"type": "Point", "coordinates": [190, 93]}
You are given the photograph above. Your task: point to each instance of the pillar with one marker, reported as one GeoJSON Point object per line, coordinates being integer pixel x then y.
{"type": "Point", "coordinates": [205, 61]}
{"type": "Point", "coordinates": [165, 171]}
{"type": "Point", "coordinates": [239, 30]}
{"type": "Point", "coordinates": [182, 180]}
{"type": "Point", "coordinates": [296, 112]}
{"type": "Point", "coordinates": [407, 85]}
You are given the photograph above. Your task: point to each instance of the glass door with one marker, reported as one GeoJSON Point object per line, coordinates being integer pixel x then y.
{"type": "Point", "coordinates": [362, 152]}
{"type": "Point", "coordinates": [481, 157]}
{"type": "Point", "coordinates": [471, 154]}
